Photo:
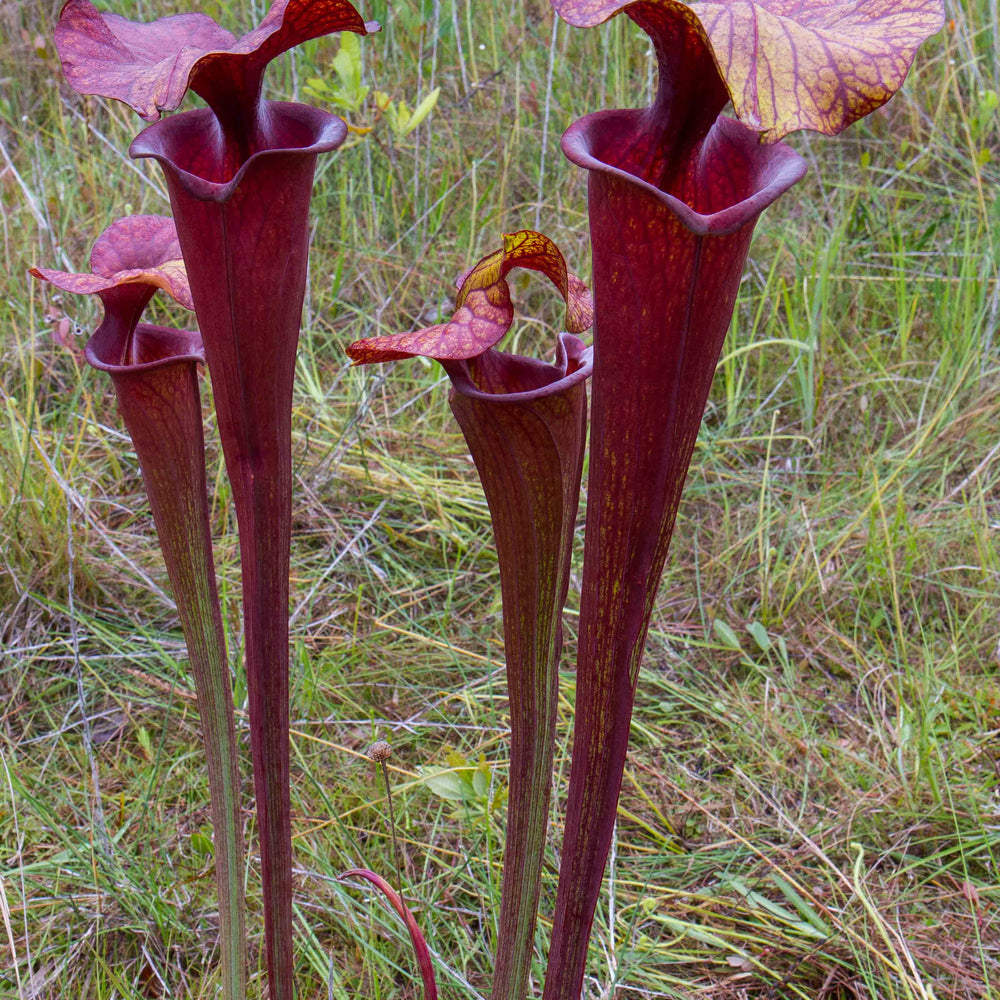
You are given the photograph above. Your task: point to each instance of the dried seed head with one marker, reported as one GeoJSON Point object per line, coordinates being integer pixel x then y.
{"type": "Point", "coordinates": [379, 751]}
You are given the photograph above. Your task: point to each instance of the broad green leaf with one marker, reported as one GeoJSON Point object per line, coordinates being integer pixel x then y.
{"type": "Point", "coordinates": [446, 784]}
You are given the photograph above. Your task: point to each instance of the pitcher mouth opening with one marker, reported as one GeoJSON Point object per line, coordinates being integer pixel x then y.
{"type": "Point", "coordinates": [192, 144]}
{"type": "Point", "coordinates": [121, 346]}
{"type": "Point", "coordinates": [730, 179]}
{"type": "Point", "coordinates": [489, 376]}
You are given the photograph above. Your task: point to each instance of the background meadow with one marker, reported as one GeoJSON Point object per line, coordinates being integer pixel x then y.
{"type": "Point", "coordinates": [811, 806]}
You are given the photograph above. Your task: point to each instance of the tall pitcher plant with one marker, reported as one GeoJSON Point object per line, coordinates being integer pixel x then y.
{"type": "Point", "coordinates": [674, 192]}
{"type": "Point", "coordinates": [239, 174]}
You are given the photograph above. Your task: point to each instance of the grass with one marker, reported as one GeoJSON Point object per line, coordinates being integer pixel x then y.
{"type": "Point", "coordinates": [811, 806]}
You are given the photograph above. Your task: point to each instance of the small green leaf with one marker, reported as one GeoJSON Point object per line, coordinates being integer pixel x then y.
{"type": "Point", "coordinates": [499, 800]}
{"type": "Point", "coordinates": [783, 652]}
{"type": "Point", "coordinates": [422, 110]}
{"type": "Point", "coordinates": [317, 85]}
{"type": "Point", "coordinates": [760, 636]}
{"type": "Point", "coordinates": [397, 114]}
{"type": "Point", "coordinates": [481, 781]}
{"type": "Point", "coordinates": [726, 635]}
{"type": "Point", "coordinates": [201, 843]}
